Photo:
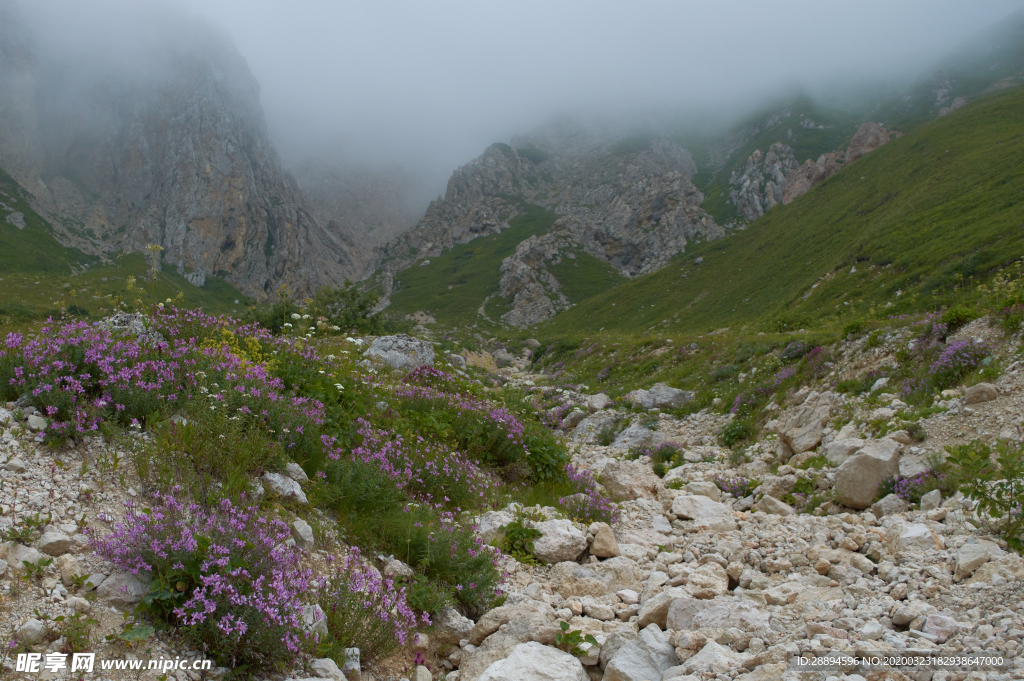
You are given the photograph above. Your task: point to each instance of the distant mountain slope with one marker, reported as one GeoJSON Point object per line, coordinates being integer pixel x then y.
{"type": "Point", "coordinates": [944, 201]}
{"type": "Point", "coordinates": [170, 151]}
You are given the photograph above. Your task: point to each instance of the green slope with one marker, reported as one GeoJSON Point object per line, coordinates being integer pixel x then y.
{"type": "Point", "coordinates": [38, 275]}
{"type": "Point", "coordinates": [453, 286]}
{"type": "Point", "coordinates": [941, 202]}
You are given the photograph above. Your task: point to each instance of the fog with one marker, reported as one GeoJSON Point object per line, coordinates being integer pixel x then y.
{"type": "Point", "coordinates": [428, 85]}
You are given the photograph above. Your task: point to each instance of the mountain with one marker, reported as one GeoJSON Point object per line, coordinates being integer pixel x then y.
{"type": "Point", "coordinates": [899, 228]}
{"type": "Point", "coordinates": [174, 152]}
{"type": "Point", "coordinates": [617, 208]}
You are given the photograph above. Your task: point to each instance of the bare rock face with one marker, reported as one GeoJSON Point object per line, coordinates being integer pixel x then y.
{"type": "Point", "coordinates": [181, 159]}
{"type": "Point", "coordinates": [868, 137]}
{"type": "Point", "coordinates": [759, 187]}
{"type": "Point", "coordinates": [810, 175]}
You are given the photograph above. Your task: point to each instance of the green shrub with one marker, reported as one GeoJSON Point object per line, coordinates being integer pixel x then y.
{"type": "Point", "coordinates": [518, 537]}
{"type": "Point", "coordinates": [736, 432]}
{"type": "Point", "coordinates": [818, 461]}
{"type": "Point", "coordinates": [997, 486]}
{"type": "Point", "coordinates": [957, 317]}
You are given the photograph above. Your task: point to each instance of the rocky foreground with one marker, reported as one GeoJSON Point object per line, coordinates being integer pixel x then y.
{"type": "Point", "coordinates": [689, 583]}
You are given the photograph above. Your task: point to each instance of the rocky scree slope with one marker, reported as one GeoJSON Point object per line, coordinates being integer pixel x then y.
{"type": "Point", "coordinates": [179, 158]}
{"type": "Point", "coordinates": [696, 580]}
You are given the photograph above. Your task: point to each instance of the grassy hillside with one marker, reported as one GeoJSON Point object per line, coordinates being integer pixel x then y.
{"type": "Point", "coordinates": [452, 287]}
{"type": "Point", "coordinates": [38, 276]}
{"type": "Point", "coordinates": [890, 233]}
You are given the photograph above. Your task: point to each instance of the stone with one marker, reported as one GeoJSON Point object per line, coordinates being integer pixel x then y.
{"type": "Point", "coordinates": [572, 419]}
{"type": "Point", "coordinates": [706, 514]}
{"type": "Point", "coordinates": [628, 596]}
{"type": "Point", "coordinates": [707, 489]}
{"type": "Point", "coordinates": [872, 631]}
{"type": "Point", "coordinates": [528, 621]}
{"type": "Point", "coordinates": [451, 626]}
{"type": "Point", "coordinates": [869, 136]}
{"type": "Point", "coordinates": [492, 620]}
{"type": "Point", "coordinates": [31, 632]}
{"type": "Point", "coordinates": [714, 658]}
{"type": "Point", "coordinates": [314, 621]}
{"type": "Point", "coordinates": [284, 487]}
{"type": "Point", "coordinates": [901, 436]}
{"type": "Point", "coordinates": [421, 673]}
{"type": "Point", "coordinates": [998, 571]}
{"type": "Point", "coordinates": [660, 396]}
{"type": "Point", "coordinates": [352, 661]}
{"type": "Point", "coordinates": [490, 524]}
{"type": "Point", "coordinates": [326, 668]}
{"type": "Point", "coordinates": [626, 480]}
{"type": "Point", "coordinates": [890, 504]}
{"type": "Point", "coordinates": [597, 402]}
{"type": "Point", "coordinates": [401, 352]}
{"type": "Point", "coordinates": [804, 426]}
{"type": "Point", "coordinates": [917, 537]}
{"type": "Point", "coordinates": [708, 581]}
{"type": "Point", "coordinates": [17, 555]}
{"type": "Point", "coordinates": [295, 472]}
{"type": "Point", "coordinates": [940, 626]}
{"type": "Point", "coordinates": [721, 611]}
{"type": "Point", "coordinates": [642, 659]}
{"type": "Point", "coordinates": [560, 541]}
{"type": "Point", "coordinates": [636, 435]}
{"type": "Point", "coordinates": [122, 589]}
{"type": "Point", "coordinates": [931, 500]}
{"type": "Point", "coordinates": [69, 568]}
{"type": "Point", "coordinates": [981, 392]}
{"type": "Point", "coordinates": [858, 478]}
{"type": "Point", "coordinates": [598, 611]}
{"type": "Point", "coordinates": [594, 579]}
{"type": "Point", "coordinates": [535, 662]}
{"type": "Point", "coordinates": [604, 544]}
{"type": "Point", "coordinates": [773, 506]}
{"type": "Point", "coordinates": [910, 611]}
{"type": "Point", "coordinates": [36, 423]}
{"type": "Point", "coordinates": [841, 449]}
{"type": "Point", "coordinates": [969, 558]}
{"type": "Point", "coordinates": [655, 609]}
{"type": "Point", "coordinates": [15, 465]}
{"type": "Point", "coordinates": [302, 533]}
{"type": "Point", "coordinates": [54, 543]}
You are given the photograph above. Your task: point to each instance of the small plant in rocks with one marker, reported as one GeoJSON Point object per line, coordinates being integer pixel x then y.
{"type": "Point", "coordinates": [364, 610]}
{"type": "Point", "coordinates": [996, 484]}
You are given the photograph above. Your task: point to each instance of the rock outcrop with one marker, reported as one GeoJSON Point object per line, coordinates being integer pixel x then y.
{"type": "Point", "coordinates": [801, 180]}
{"type": "Point", "coordinates": [760, 185]}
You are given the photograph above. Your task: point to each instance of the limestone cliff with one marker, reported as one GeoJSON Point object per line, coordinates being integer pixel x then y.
{"type": "Point", "coordinates": [179, 157]}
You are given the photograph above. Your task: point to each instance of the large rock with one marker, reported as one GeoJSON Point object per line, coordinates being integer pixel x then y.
{"type": "Point", "coordinates": [401, 352]}
{"type": "Point", "coordinates": [626, 480]}
{"type": "Point", "coordinates": [490, 523]}
{"type": "Point", "coordinates": [605, 545]}
{"type": "Point", "coordinates": [644, 659]}
{"type": "Point", "coordinates": [940, 626]}
{"type": "Point", "coordinates": [122, 589]}
{"type": "Point", "coordinates": [55, 543]}
{"type": "Point", "coordinates": [858, 478]}
{"type": "Point", "coordinates": [773, 506]}
{"type": "Point", "coordinates": [803, 427]}
{"type": "Point", "coordinates": [801, 180]}
{"type": "Point", "coordinates": [890, 504]}
{"type": "Point", "coordinates": [721, 611]}
{"type": "Point", "coordinates": [839, 450]}
{"type": "Point", "coordinates": [36, 423]}
{"type": "Point", "coordinates": [597, 402]}
{"type": "Point", "coordinates": [595, 579]}
{"type": "Point", "coordinates": [706, 514]}
{"type": "Point", "coordinates": [868, 137]}
{"type": "Point", "coordinates": [982, 392]}
{"type": "Point", "coordinates": [969, 558]}
{"type": "Point", "coordinates": [529, 621]}
{"type": "Point", "coordinates": [655, 609]}
{"type": "Point", "coordinates": [492, 620]}
{"type": "Point", "coordinates": [31, 632]}
{"type": "Point", "coordinates": [560, 541]}
{"type": "Point", "coordinates": [17, 555]}
{"type": "Point", "coordinates": [535, 662]}
{"type": "Point", "coordinates": [660, 396]}
{"type": "Point", "coordinates": [1009, 567]}
{"type": "Point", "coordinates": [714, 658]}
{"type": "Point", "coordinates": [451, 626]}
{"type": "Point", "coordinates": [284, 487]}
{"type": "Point", "coordinates": [708, 581]}
{"type": "Point", "coordinates": [637, 435]}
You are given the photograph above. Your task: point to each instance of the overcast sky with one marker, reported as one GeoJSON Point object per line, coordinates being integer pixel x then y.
{"type": "Point", "coordinates": [430, 84]}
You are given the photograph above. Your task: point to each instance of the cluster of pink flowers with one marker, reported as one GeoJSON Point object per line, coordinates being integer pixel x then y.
{"type": "Point", "coordinates": [953, 363]}
{"type": "Point", "coordinates": [225, 575]}
{"type": "Point", "coordinates": [586, 503]}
